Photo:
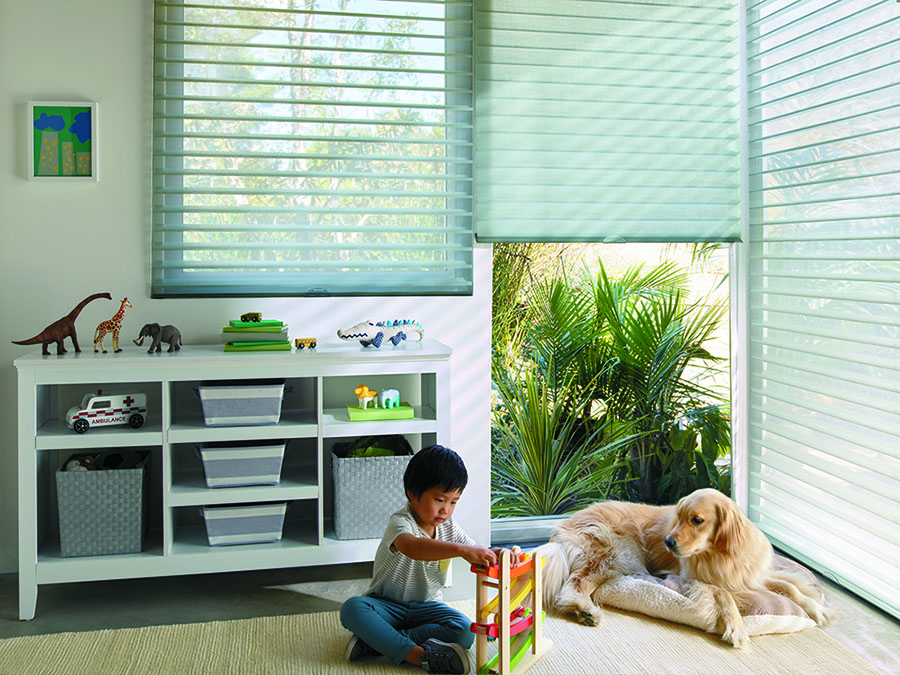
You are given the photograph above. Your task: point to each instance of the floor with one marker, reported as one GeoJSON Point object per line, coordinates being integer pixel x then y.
{"type": "Point", "coordinates": [215, 597]}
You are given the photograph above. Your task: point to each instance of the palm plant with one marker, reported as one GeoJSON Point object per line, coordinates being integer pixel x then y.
{"type": "Point", "coordinates": [540, 464]}
{"type": "Point", "coordinates": [634, 348]}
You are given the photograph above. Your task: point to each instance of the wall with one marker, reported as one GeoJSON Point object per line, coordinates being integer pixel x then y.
{"type": "Point", "coordinates": [60, 243]}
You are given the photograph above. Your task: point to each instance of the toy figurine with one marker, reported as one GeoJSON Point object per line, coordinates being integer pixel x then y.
{"type": "Point", "coordinates": [364, 394]}
{"type": "Point", "coordinates": [390, 398]}
{"type": "Point", "coordinates": [168, 334]}
{"type": "Point", "coordinates": [372, 333]}
{"type": "Point", "coordinates": [62, 328]}
{"type": "Point", "coordinates": [112, 325]}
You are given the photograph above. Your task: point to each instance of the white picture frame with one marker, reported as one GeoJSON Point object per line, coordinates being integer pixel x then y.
{"type": "Point", "coordinates": [63, 141]}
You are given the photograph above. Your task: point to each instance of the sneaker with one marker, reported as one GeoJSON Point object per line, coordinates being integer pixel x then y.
{"type": "Point", "coordinates": [357, 649]}
{"type": "Point", "coordinates": [443, 657]}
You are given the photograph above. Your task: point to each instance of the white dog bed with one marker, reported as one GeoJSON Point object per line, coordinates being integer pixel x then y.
{"type": "Point", "coordinates": [693, 603]}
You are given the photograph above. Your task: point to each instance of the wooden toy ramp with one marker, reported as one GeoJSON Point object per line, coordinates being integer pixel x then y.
{"type": "Point", "coordinates": [514, 616]}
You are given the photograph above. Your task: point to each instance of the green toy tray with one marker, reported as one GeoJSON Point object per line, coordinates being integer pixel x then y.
{"type": "Point", "coordinates": [402, 412]}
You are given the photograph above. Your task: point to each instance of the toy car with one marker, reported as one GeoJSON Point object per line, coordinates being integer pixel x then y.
{"type": "Point", "coordinates": [251, 316]}
{"type": "Point", "coordinates": [106, 410]}
{"type": "Point", "coordinates": [300, 343]}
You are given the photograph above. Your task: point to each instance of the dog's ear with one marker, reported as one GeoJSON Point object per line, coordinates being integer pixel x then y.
{"type": "Point", "coordinates": [730, 531]}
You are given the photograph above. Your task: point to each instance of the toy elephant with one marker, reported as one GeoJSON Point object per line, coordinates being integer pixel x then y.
{"type": "Point", "coordinates": [167, 334]}
{"type": "Point", "coordinates": [390, 398]}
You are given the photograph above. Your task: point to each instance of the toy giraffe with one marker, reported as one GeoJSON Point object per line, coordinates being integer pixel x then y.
{"type": "Point", "coordinates": [112, 325]}
{"type": "Point", "coordinates": [516, 578]}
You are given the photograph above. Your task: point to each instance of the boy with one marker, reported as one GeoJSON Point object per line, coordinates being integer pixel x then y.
{"type": "Point", "coordinates": [401, 615]}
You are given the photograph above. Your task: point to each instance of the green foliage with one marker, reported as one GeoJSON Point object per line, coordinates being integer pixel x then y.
{"type": "Point", "coordinates": [624, 365]}
{"type": "Point", "coordinates": [541, 464]}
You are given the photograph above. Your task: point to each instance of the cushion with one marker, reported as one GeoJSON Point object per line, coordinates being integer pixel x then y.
{"type": "Point", "coordinates": [691, 602]}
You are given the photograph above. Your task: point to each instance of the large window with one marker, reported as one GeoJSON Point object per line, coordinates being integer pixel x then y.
{"type": "Point", "coordinates": [824, 340]}
{"type": "Point", "coordinates": [306, 147]}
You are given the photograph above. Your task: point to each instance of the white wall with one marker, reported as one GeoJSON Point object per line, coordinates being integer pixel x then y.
{"type": "Point", "coordinates": [61, 242]}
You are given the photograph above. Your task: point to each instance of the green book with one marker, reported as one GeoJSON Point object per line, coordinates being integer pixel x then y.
{"type": "Point", "coordinates": [255, 324]}
{"type": "Point", "coordinates": [254, 336]}
{"type": "Point", "coordinates": [254, 328]}
{"type": "Point", "coordinates": [402, 412]}
{"type": "Point", "coordinates": [257, 346]}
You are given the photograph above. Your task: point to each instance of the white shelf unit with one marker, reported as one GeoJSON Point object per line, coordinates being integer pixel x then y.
{"type": "Point", "coordinates": [319, 385]}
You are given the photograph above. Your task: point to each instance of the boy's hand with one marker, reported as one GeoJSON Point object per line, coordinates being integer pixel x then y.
{"type": "Point", "coordinates": [480, 556]}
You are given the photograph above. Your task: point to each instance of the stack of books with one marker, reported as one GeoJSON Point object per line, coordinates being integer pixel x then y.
{"type": "Point", "coordinates": [267, 335]}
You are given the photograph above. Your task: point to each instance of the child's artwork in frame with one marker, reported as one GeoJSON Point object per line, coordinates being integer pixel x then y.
{"type": "Point", "coordinates": [63, 139]}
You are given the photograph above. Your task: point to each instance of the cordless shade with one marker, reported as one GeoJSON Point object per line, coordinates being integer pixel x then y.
{"type": "Point", "coordinates": [824, 114]}
{"type": "Point", "coordinates": [312, 147]}
{"type": "Point", "coordinates": [607, 121]}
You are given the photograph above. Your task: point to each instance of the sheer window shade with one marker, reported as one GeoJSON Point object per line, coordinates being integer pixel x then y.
{"type": "Point", "coordinates": [306, 147]}
{"type": "Point", "coordinates": [824, 113]}
{"type": "Point", "coordinates": [607, 121]}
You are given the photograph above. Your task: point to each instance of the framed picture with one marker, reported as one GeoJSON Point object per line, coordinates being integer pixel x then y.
{"type": "Point", "coordinates": [63, 141]}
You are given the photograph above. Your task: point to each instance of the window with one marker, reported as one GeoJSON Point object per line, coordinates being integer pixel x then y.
{"type": "Point", "coordinates": [607, 121]}
{"type": "Point", "coordinates": [306, 147]}
{"type": "Point", "coordinates": [824, 342]}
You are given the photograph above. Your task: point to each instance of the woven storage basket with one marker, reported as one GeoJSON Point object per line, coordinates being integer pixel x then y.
{"type": "Point", "coordinates": [367, 490]}
{"type": "Point", "coordinates": [101, 512]}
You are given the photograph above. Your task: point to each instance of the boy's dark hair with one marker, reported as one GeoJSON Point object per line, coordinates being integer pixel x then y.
{"type": "Point", "coordinates": [435, 466]}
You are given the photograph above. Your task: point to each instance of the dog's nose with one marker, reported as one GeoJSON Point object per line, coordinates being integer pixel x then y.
{"type": "Point", "coordinates": [671, 544]}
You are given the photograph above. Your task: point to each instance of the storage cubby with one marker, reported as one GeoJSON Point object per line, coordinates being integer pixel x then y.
{"type": "Point", "coordinates": [318, 386]}
{"type": "Point", "coordinates": [49, 462]}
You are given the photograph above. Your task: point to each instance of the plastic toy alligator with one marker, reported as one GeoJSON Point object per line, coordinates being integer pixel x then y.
{"type": "Point", "coordinates": [374, 333]}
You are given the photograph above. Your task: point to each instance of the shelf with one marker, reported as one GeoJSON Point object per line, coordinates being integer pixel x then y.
{"type": "Point", "coordinates": [293, 424]}
{"type": "Point", "coordinates": [55, 435]}
{"type": "Point", "coordinates": [314, 415]}
{"type": "Point", "coordinates": [336, 423]}
{"type": "Point", "coordinates": [189, 489]}
{"type": "Point", "coordinates": [192, 540]}
{"type": "Point", "coordinates": [53, 568]}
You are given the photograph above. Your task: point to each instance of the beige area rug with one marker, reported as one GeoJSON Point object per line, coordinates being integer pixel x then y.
{"type": "Point", "coordinates": [313, 644]}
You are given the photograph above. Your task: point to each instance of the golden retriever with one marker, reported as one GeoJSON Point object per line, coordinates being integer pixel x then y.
{"type": "Point", "coordinates": [705, 537]}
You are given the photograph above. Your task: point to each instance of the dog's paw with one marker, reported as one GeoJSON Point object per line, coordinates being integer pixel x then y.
{"type": "Point", "coordinates": [585, 617]}
{"type": "Point", "coordinates": [737, 636]}
{"type": "Point", "coordinates": [824, 616]}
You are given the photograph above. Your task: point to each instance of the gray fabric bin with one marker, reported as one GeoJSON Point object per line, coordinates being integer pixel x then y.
{"type": "Point", "coordinates": [367, 490]}
{"type": "Point", "coordinates": [244, 403]}
{"type": "Point", "coordinates": [247, 464]}
{"type": "Point", "coordinates": [101, 512]}
{"type": "Point", "coordinates": [244, 523]}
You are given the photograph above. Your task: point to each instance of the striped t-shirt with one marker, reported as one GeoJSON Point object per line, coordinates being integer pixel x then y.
{"type": "Point", "coordinates": [399, 577]}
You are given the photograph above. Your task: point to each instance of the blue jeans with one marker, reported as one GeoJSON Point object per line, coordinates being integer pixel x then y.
{"type": "Point", "coordinates": [394, 627]}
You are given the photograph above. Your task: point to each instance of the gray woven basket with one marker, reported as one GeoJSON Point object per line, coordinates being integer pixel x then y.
{"type": "Point", "coordinates": [101, 512]}
{"type": "Point", "coordinates": [367, 490]}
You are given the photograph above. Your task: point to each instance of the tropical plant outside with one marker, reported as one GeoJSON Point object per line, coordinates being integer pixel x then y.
{"type": "Point", "coordinates": [616, 379]}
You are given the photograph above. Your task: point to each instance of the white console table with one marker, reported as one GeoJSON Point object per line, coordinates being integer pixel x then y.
{"type": "Point", "coordinates": [314, 417]}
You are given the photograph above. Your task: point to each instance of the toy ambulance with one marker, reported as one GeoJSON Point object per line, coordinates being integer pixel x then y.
{"type": "Point", "coordinates": [102, 409]}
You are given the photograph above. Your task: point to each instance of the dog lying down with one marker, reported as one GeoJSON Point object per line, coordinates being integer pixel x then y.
{"type": "Point", "coordinates": [704, 538]}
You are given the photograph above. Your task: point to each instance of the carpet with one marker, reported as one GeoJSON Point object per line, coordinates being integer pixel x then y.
{"type": "Point", "coordinates": [313, 644]}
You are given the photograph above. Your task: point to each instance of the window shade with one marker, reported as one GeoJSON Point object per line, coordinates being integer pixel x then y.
{"type": "Point", "coordinates": [312, 147]}
{"type": "Point", "coordinates": [824, 113]}
{"type": "Point", "coordinates": [607, 121]}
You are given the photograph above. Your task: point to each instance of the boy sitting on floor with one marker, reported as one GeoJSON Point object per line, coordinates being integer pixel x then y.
{"type": "Point", "coordinates": [401, 615]}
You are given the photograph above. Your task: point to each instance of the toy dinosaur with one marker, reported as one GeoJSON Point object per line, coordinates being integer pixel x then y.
{"type": "Point", "coordinates": [61, 329]}
{"type": "Point", "coordinates": [372, 333]}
